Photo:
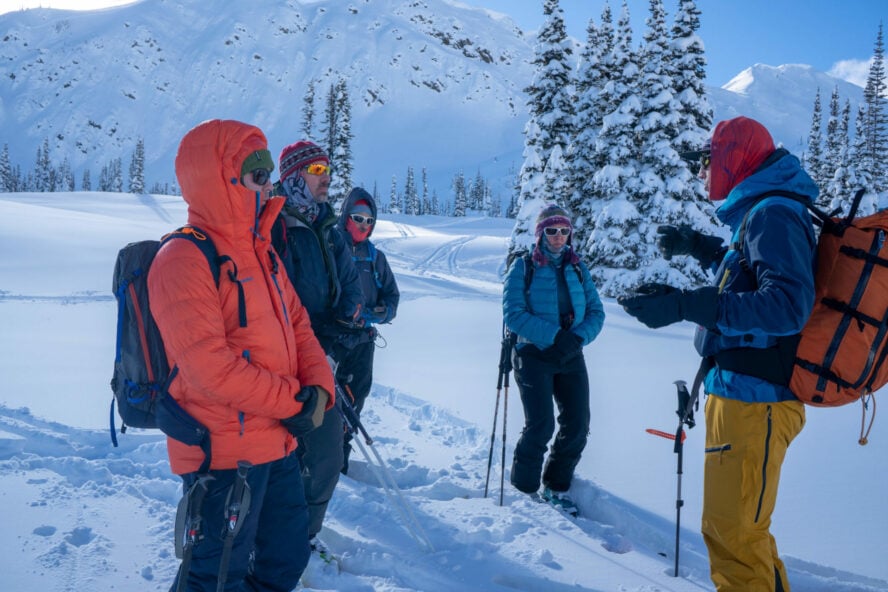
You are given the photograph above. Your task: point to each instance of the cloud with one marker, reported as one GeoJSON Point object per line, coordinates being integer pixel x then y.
{"type": "Point", "coordinates": [854, 71]}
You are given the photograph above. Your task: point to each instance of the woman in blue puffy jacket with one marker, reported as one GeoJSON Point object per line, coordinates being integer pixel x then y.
{"type": "Point", "coordinates": [554, 309]}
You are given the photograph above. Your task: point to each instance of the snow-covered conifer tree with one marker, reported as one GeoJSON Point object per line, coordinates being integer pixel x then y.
{"type": "Point", "coordinates": [689, 76]}
{"type": "Point", "coordinates": [832, 152]}
{"type": "Point", "coordinates": [5, 171]}
{"type": "Point", "coordinates": [460, 195]}
{"type": "Point", "coordinates": [394, 199]}
{"type": "Point", "coordinates": [85, 181]}
{"type": "Point", "coordinates": [814, 155]}
{"type": "Point", "coordinates": [667, 191]}
{"type": "Point", "coordinates": [137, 169]}
{"type": "Point", "coordinates": [614, 248]}
{"type": "Point", "coordinates": [876, 126]}
{"type": "Point", "coordinates": [308, 110]}
{"type": "Point", "coordinates": [840, 183]}
{"type": "Point", "coordinates": [590, 79]}
{"type": "Point", "coordinates": [337, 129]}
{"type": "Point", "coordinates": [551, 120]}
{"type": "Point", "coordinates": [411, 198]}
{"type": "Point", "coordinates": [424, 200]}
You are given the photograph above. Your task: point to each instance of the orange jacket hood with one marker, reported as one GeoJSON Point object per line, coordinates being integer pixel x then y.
{"type": "Point", "coordinates": [208, 166]}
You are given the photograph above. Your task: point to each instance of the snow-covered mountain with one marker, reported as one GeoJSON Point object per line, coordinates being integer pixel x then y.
{"type": "Point", "coordinates": [433, 84]}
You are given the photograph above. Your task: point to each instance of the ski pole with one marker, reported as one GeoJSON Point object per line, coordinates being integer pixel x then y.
{"type": "Point", "coordinates": [505, 415]}
{"type": "Point", "coordinates": [685, 417]}
{"type": "Point", "coordinates": [380, 469]}
{"type": "Point", "coordinates": [381, 472]}
{"type": "Point", "coordinates": [503, 362]}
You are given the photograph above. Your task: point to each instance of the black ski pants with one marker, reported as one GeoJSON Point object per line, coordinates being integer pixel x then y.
{"type": "Point", "coordinates": [321, 451]}
{"type": "Point", "coordinates": [543, 378]}
{"type": "Point", "coordinates": [270, 550]}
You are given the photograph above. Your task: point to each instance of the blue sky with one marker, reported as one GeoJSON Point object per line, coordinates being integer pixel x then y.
{"type": "Point", "coordinates": [832, 36]}
{"type": "Point", "coordinates": [740, 33]}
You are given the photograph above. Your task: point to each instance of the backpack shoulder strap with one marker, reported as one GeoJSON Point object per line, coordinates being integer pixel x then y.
{"type": "Point", "coordinates": [202, 241]}
{"type": "Point", "coordinates": [528, 271]}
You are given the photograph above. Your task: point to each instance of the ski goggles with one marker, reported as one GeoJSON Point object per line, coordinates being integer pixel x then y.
{"type": "Point", "coordinates": [552, 231]}
{"type": "Point", "coordinates": [705, 159]}
{"type": "Point", "coordinates": [318, 169]}
{"type": "Point", "coordinates": [362, 219]}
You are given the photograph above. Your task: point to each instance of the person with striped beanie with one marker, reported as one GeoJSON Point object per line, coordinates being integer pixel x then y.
{"type": "Point", "coordinates": [319, 265]}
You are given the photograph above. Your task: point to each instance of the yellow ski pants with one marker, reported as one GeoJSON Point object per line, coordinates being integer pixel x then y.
{"type": "Point", "coordinates": [745, 447]}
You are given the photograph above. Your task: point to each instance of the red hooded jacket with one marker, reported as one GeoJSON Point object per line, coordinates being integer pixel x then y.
{"type": "Point", "coordinates": [237, 381]}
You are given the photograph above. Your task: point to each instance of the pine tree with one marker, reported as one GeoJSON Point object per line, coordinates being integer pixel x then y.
{"type": "Point", "coordinates": [590, 80]}
{"type": "Point", "coordinates": [65, 176]}
{"type": "Point", "coordinates": [137, 169]}
{"type": "Point", "coordinates": [44, 175]}
{"type": "Point", "coordinates": [813, 161]}
{"type": "Point", "coordinates": [85, 182]}
{"type": "Point", "coordinates": [840, 182]}
{"type": "Point", "coordinates": [308, 110]}
{"type": "Point", "coordinates": [394, 200]}
{"type": "Point", "coordinates": [6, 185]}
{"type": "Point", "coordinates": [460, 197]}
{"type": "Point", "coordinates": [876, 126]}
{"type": "Point", "coordinates": [476, 192]}
{"type": "Point", "coordinates": [689, 78]}
{"type": "Point", "coordinates": [426, 204]}
{"type": "Point", "coordinates": [615, 249]}
{"type": "Point", "coordinates": [115, 178]}
{"type": "Point", "coordinates": [436, 205]}
{"type": "Point", "coordinates": [666, 193]}
{"type": "Point", "coordinates": [411, 199]}
{"type": "Point", "coordinates": [340, 147]}
{"type": "Point", "coordinates": [832, 153]}
{"type": "Point", "coordinates": [551, 120]}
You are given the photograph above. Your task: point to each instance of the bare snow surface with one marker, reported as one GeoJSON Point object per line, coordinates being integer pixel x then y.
{"type": "Point", "coordinates": [81, 515]}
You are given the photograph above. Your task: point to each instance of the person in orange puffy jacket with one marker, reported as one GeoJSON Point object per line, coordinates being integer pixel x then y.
{"type": "Point", "coordinates": [250, 369]}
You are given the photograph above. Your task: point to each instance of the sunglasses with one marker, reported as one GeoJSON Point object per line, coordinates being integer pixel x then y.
{"type": "Point", "coordinates": [362, 219]}
{"type": "Point", "coordinates": [705, 160]}
{"type": "Point", "coordinates": [552, 231]}
{"type": "Point", "coordinates": [317, 169]}
{"type": "Point", "coordinates": [260, 176]}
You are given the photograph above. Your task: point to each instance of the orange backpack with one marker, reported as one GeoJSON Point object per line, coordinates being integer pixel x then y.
{"type": "Point", "coordinates": [841, 352]}
{"type": "Point", "coordinates": [841, 355]}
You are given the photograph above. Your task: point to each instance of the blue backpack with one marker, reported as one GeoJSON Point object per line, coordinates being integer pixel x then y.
{"type": "Point", "coordinates": [142, 374]}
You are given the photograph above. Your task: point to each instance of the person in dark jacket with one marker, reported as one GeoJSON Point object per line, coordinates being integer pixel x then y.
{"type": "Point", "coordinates": [355, 348]}
{"type": "Point", "coordinates": [320, 267]}
{"type": "Point", "coordinates": [554, 317]}
{"type": "Point", "coordinates": [748, 323]}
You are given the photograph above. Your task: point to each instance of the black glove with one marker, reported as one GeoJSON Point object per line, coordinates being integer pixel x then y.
{"type": "Point", "coordinates": [567, 343]}
{"type": "Point", "coordinates": [312, 413]}
{"type": "Point", "coordinates": [658, 305]}
{"type": "Point", "coordinates": [684, 240]}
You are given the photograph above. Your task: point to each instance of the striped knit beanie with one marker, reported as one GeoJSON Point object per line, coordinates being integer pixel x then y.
{"type": "Point", "coordinates": [297, 156]}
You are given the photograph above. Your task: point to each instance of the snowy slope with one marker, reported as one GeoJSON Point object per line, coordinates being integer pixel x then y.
{"type": "Point", "coordinates": [82, 515]}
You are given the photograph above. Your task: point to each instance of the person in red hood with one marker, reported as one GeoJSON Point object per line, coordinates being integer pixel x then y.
{"type": "Point", "coordinates": [250, 368]}
{"type": "Point", "coordinates": [748, 322]}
